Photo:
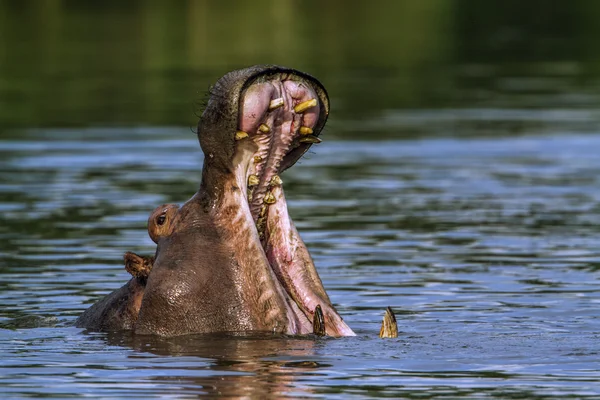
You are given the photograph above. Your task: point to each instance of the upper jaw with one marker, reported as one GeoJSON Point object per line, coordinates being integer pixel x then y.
{"type": "Point", "coordinates": [222, 116]}
{"type": "Point", "coordinates": [280, 117]}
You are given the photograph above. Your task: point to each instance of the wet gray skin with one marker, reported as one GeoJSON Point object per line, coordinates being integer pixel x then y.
{"type": "Point", "coordinates": [232, 259]}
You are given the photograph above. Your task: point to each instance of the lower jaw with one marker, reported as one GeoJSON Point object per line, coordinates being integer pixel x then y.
{"type": "Point", "coordinates": [289, 262]}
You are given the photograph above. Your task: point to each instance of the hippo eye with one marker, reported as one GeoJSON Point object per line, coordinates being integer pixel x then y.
{"type": "Point", "coordinates": [161, 219]}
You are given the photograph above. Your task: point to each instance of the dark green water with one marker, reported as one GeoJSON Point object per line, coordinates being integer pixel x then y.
{"type": "Point", "coordinates": [459, 183]}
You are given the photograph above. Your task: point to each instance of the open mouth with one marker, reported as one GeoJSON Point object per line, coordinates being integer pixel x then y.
{"type": "Point", "coordinates": [281, 115]}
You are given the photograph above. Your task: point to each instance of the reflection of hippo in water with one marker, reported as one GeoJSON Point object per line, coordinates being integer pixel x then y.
{"type": "Point", "coordinates": [231, 259]}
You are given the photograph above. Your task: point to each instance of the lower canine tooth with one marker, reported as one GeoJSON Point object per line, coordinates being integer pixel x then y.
{"type": "Point", "coordinates": [319, 322]}
{"type": "Point", "coordinates": [269, 198]}
{"type": "Point", "coordinates": [389, 326]}
{"type": "Point", "coordinates": [310, 139]}
{"type": "Point", "coordinates": [305, 105]}
{"type": "Point", "coordinates": [264, 128]}
{"type": "Point", "coordinates": [239, 135]}
{"type": "Point", "coordinates": [305, 130]}
{"type": "Point", "coordinates": [276, 103]}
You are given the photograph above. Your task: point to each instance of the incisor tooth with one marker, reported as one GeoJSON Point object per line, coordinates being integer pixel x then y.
{"type": "Point", "coordinates": [253, 180]}
{"type": "Point", "coordinates": [276, 180]}
{"type": "Point", "coordinates": [305, 130]}
{"type": "Point", "coordinates": [239, 135]}
{"type": "Point", "coordinates": [257, 159]}
{"type": "Point", "coordinates": [305, 105]}
{"type": "Point", "coordinates": [270, 198]}
{"type": "Point", "coordinates": [264, 128]}
{"type": "Point", "coordinates": [276, 103]}
{"type": "Point", "coordinates": [310, 139]}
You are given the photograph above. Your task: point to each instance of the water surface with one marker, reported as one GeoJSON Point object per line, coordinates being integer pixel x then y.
{"type": "Point", "coordinates": [486, 248]}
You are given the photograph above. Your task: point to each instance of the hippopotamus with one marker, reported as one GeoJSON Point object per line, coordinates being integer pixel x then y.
{"type": "Point", "coordinates": [230, 259]}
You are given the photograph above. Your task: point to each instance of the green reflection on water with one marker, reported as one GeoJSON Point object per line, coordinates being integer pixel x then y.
{"type": "Point", "coordinates": [70, 63]}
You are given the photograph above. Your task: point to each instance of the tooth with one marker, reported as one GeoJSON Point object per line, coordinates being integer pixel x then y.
{"type": "Point", "coordinates": [264, 128]}
{"type": "Point", "coordinates": [305, 130]}
{"type": "Point", "coordinates": [239, 135]}
{"type": "Point", "coordinates": [305, 105]}
{"type": "Point", "coordinates": [253, 180]}
{"type": "Point", "coordinates": [389, 326]}
{"type": "Point", "coordinates": [276, 181]}
{"type": "Point", "coordinates": [257, 159]}
{"type": "Point", "coordinates": [263, 212]}
{"type": "Point", "coordinates": [269, 198]}
{"type": "Point", "coordinates": [319, 322]}
{"type": "Point", "coordinates": [310, 139]}
{"type": "Point", "coordinates": [275, 103]}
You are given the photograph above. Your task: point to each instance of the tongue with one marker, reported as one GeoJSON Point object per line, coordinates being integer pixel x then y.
{"type": "Point", "coordinates": [295, 269]}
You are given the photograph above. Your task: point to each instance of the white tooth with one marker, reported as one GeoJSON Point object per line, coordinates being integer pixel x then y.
{"type": "Point", "coordinates": [239, 135]}
{"type": "Point", "coordinates": [305, 130]}
{"type": "Point", "coordinates": [305, 105]}
{"type": "Point", "coordinates": [276, 103]}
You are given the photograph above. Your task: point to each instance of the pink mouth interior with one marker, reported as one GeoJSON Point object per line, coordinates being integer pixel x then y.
{"type": "Point", "coordinates": [283, 122]}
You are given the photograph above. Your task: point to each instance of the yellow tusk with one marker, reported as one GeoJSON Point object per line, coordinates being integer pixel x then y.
{"type": "Point", "coordinates": [310, 139]}
{"type": "Point", "coordinates": [305, 105]}
{"type": "Point", "coordinates": [239, 135]}
{"type": "Point", "coordinates": [305, 130]}
{"type": "Point", "coordinates": [275, 103]}
{"type": "Point", "coordinates": [264, 128]}
{"type": "Point", "coordinates": [389, 326]}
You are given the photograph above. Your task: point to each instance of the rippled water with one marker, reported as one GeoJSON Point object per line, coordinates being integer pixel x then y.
{"type": "Point", "coordinates": [487, 249]}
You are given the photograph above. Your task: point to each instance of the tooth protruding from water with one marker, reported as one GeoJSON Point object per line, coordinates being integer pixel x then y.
{"type": "Point", "coordinates": [253, 180]}
{"type": "Point", "coordinates": [270, 198]}
{"type": "Point", "coordinates": [310, 139]}
{"type": "Point", "coordinates": [257, 159]}
{"type": "Point", "coordinates": [275, 103]}
{"type": "Point", "coordinates": [305, 130]}
{"type": "Point", "coordinates": [389, 326]}
{"type": "Point", "coordinates": [275, 181]}
{"type": "Point", "coordinates": [319, 322]}
{"type": "Point", "coordinates": [239, 135]}
{"type": "Point", "coordinates": [264, 128]}
{"type": "Point", "coordinates": [305, 105]}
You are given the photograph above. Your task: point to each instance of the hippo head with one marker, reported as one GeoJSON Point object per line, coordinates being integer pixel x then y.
{"type": "Point", "coordinates": [230, 259]}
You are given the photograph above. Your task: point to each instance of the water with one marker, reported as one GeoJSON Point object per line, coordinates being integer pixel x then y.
{"type": "Point", "coordinates": [458, 182]}
{"type": "Point", "coordinates": [486, 248]}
